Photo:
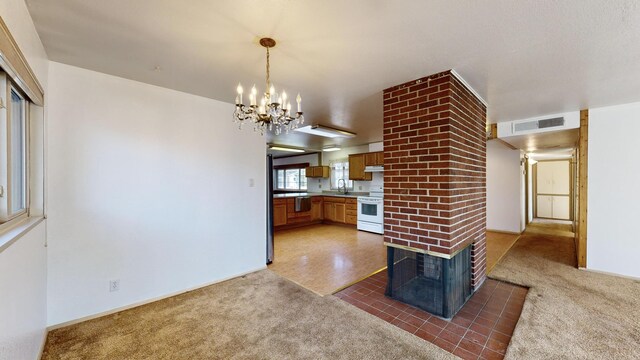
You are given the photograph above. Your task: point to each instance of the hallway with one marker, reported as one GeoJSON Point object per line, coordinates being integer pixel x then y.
{"type": "Point", "coordinates": [568, 313]}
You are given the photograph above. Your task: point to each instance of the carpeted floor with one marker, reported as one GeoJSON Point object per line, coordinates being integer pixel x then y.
{"type": "Point", "coordinates": [569, 313]}
{"type": "Point", "coordinates": [259, 316]}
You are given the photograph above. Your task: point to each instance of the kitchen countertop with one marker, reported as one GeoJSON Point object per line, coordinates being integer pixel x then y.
{"type": "Point", "coordinates": [334, 194]}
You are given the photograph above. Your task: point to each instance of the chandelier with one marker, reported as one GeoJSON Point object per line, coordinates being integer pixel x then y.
{"type": "Point", "coordinates": [274, 112]}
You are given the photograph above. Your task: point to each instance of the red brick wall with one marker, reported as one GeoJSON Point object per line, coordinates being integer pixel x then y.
{"type": "Point", "coordinates": [435, 168]}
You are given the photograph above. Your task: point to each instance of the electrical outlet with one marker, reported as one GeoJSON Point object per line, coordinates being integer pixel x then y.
{"type": "Point", "coordinates": [360, 187]}
{"type": "Point", "coordinates": [114, 285]}
{"type": "Point", "coordinates": [319, 186]}
{"type": "Point", "coordinates": [252, 182]}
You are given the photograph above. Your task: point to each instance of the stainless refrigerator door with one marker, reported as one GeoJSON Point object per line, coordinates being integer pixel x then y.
{"type": "Point", "coordinates": [269, 209]}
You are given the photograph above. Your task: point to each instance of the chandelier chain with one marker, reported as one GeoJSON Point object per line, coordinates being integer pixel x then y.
{"type": "Point", "coordinates": [268, 73]}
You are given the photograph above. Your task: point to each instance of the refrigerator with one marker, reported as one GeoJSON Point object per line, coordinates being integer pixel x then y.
{"type": "Point", "coordinates": [269, 209]}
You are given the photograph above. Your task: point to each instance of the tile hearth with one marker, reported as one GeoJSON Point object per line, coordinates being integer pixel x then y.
{"type": "Point", "coordinates": [482, 329]}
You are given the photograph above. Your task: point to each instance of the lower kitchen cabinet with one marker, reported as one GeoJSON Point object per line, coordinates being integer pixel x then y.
{"type": "Point", "coordinates": [316, 209]}
{"type": "Point", "coordinates": [351, 217]}
{"type": "Point", "coordinates": [323, 208]}
{"type": "Point", "coordinates": [279, 213]}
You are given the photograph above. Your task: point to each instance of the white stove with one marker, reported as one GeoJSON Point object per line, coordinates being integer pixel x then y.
{"type": "Point", "coordinates": [371, 211]}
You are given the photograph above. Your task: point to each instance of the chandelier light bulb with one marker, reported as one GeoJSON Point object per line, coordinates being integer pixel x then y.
{"type": "Point", "coordinates": [254, 92]}
{"type": "Point", "coordinates": [272, 90]}
{"type": "Point", "coordinates": [299, 101]}
{"type": "Point", "coordinates": [283, 97]}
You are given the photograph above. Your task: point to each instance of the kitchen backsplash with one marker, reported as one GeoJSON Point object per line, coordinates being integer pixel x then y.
{"type": "Point", "coordinates": [317, 185]}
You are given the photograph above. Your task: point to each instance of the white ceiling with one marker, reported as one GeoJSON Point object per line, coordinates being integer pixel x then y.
{"type": "Point", "coordinates": [525, 58]}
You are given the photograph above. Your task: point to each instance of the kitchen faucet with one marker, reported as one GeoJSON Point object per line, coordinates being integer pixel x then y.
{"type": "Point", "coordinates": [344, 186]}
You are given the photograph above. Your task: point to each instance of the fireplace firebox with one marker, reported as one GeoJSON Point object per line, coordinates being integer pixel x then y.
{"type": "Point", "coordinates": [435, 284]}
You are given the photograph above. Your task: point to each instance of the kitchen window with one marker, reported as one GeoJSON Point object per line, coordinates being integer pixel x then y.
{"type": "Point", "coordinates": [291, 179]}
{"type": "Point", "coordinates": [340, 170]}
{"type": "Point", "coordinates": [13, 154]}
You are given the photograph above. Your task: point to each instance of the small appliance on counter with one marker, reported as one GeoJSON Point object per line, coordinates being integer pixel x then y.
{"type": "Point", "coordinates": [371, 210]}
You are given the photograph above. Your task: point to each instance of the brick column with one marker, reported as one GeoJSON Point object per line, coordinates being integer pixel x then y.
{"type": "Point", "coordinates": [435, 169]}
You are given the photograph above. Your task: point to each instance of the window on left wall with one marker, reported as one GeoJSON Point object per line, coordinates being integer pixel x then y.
{"type": "Point", "coordinates": [14, 190]}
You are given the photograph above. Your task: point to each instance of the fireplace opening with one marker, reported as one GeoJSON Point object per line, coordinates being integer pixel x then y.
{"type": "Point", "coordinates": [435, 284]}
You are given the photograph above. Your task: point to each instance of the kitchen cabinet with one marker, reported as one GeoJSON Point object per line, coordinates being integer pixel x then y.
{"type": "Point", "coordinates": [374, 158]}
{"type": "Point", "coordinates": [356, 168]}
{"type": "Point", "coordinates": [351, 215]}
{"type": "Point", "coordinates": [335, 209]}
{"type": "Point", "coordinates": [294, 217]}
{"type": "Point", "coordinates": [279, 212]}
{"type": "Point", "coordinates": [317, 172]}
{"type": "Point", "coordinates": [316, 209]}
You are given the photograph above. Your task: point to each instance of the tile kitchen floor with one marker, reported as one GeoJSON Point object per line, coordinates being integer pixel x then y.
{"type": "Point", "coordinates": [482, 329]}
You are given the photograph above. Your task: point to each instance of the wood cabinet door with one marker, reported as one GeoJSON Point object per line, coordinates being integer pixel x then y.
{"type": "Point", "coordinates": [340, 213]}
{"type": "Point", "coordinates": [329, 211]}
{"type": "Point", "coordinates": [316, 210]}
{"type": "Point", "coordinates": [370, 159]}
{"type": "Point", "coordinates": [324, 172]}
{"type": "Point", "coordinates": [279, 214]}
{"type": "Point", "coordinates": [356, 168]}
{"type": "Point", "coordinates": [380, 158]}
{"type": "Point", "coordinates": [308, 172]}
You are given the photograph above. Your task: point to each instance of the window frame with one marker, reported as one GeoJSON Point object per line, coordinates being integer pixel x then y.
{"type": "Point", "coordinates": [7, 216]}
{"type": "Point", "coordinates": [301, 168]}
{"type": "Point", "coordinates": [345, 175]}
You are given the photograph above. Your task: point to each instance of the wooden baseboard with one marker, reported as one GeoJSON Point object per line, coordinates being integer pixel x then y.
{"type": "Point", "coordinates": [506, 232]}
{"type": "Point", "coordinates": [148, 301]}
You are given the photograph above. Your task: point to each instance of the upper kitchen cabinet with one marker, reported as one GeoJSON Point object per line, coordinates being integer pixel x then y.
{"type": "Point", "coordinates": [357, 163]}
{"type": "Point", "coordinates": [317, 172]}
{"type": "Point", "coordinates": [374, 158]}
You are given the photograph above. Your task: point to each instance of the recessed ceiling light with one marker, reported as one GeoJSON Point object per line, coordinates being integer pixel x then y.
{"type": "Point", "coordinates": [325, 131]}
{"type": "Point", "coordinates": [331, 148]}
{"type": "Point", "coordinates": [284, 148]}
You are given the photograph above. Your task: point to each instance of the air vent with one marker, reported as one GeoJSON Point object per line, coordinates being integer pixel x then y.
{"type": "Point", "coordinates": [547, 123]}
{"type": "Point", "coordinates": [538, 124]}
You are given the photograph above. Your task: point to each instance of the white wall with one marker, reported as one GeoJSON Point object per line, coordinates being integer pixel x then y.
{"type": "Point", "coordinates": [23, 296]}
{"type": "Point", "coordinates": [23, 264]}
{"type": "Point", "coordinates": [614, 197]}
{"type": "Point", "coordinates": [505, 204]}
{"type": "Point", "coordinates": [149, 186]}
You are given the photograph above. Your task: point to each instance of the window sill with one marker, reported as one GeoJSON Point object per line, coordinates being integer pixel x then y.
{"type": "Point", "coordinates": [10, 235]}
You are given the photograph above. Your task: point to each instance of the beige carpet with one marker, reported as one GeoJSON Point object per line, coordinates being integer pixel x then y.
{"type": "Point", "coordinates": [260, 316]}
{"type": "Point", "coordinates": [569, 313]}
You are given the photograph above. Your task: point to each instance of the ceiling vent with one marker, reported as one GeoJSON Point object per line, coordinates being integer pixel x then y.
{"type": "Point", "coordinates": [529, 126]}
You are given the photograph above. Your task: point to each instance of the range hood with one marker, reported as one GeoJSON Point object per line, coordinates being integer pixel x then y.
{"type": "Point", "coordinates": [378, 168]}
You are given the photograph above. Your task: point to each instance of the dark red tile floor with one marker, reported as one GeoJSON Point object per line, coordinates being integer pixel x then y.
{"type": "Point", "coordinates": [482, 329]}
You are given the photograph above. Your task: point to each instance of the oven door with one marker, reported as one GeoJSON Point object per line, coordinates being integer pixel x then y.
{"type": "Point", "coordinates": [370, 210]}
